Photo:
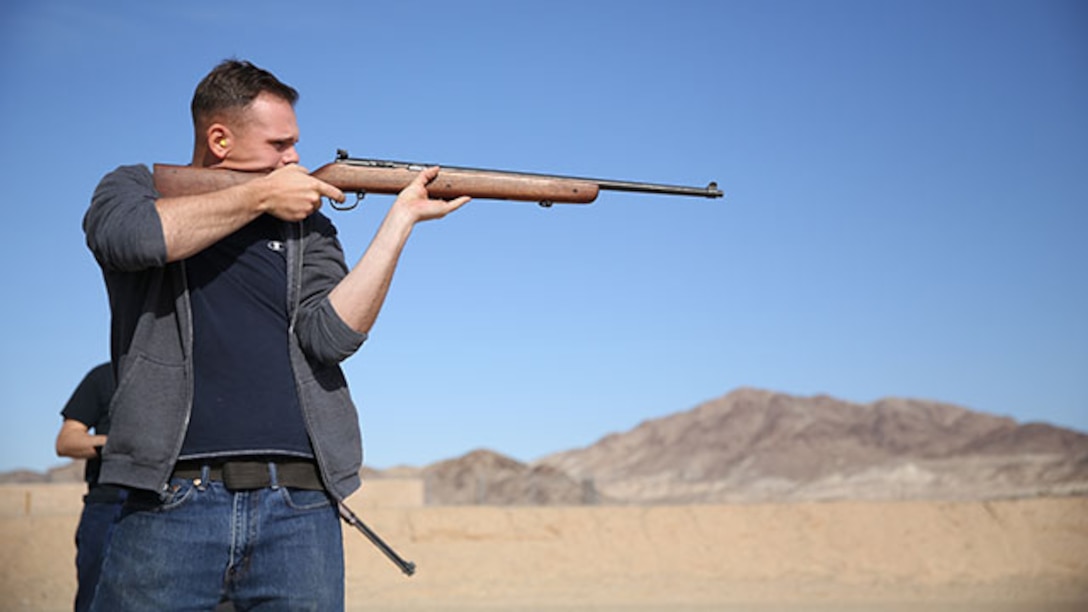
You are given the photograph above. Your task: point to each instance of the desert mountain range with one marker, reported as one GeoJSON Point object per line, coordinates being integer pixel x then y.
{"type": "Point", "coordinates": [754, 445]}
{"type": "Point", "coordinates": [760, 446]}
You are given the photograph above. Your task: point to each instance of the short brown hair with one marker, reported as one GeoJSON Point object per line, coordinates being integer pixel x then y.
{"type": "Point", "coordinates": [234, 84]}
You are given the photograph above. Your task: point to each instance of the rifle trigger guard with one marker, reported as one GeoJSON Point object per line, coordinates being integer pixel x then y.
{"type": "Point", "coordinates": [359, 195]}
{"type": "Point", "coordinates": [546, 203]}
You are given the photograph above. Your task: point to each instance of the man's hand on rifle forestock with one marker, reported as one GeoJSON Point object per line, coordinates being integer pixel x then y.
{"type": "Point", "coordinates": [416, 203]}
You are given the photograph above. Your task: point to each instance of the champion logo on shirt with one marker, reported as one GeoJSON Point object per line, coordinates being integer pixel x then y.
{"type": "Point", "coordinates": [275, 245]}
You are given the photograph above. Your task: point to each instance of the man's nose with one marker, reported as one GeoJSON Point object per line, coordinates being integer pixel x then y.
{"type": "Point", "coordinates": [290, 156]}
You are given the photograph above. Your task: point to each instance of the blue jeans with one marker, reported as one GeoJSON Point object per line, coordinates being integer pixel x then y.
{"type": "Point", "coordinates": [95, 527]}
{"type": "Point", "coordinates": [273, 549]}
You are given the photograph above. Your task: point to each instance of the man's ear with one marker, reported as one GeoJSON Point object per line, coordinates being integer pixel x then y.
{"type": "Point", "coordinates": [220, 140]}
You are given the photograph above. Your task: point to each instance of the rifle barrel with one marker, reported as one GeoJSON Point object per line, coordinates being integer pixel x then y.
{"type": "Point", "coordinates": [710, 191]}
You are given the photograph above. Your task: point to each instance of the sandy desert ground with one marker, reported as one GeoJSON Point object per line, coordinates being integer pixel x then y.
{"type": "Point", "coordinates": [887, 556]}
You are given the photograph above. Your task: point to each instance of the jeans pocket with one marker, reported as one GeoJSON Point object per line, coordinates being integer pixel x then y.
{"type": "Point", "coordinates": [177, 493]}
{"type": "Point", "coordinates": [305, 499]}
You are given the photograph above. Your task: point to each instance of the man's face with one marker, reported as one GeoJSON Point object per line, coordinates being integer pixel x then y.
{"type": "Point", "coordinates": [265, 136]}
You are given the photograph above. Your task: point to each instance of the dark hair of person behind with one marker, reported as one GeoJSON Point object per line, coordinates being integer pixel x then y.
{"type": "Point", "coordinates": [234, 84]}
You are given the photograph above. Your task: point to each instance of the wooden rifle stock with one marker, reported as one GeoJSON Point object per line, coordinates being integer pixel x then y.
{"type": "Point", "coordinates": [362, 176]}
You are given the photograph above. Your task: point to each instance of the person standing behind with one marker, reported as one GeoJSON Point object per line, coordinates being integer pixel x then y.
{"type": "Point", "coordinates": [87, 409]}
{"type": "Point", "coordinates": [233, 426]}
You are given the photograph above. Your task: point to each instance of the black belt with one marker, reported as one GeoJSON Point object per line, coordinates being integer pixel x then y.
{"type": "Point", "coordinates": [104, 494]}
{"type": "Point", "coordinates": [245, 475]}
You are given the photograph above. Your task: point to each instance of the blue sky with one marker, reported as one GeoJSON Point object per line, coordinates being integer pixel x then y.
{"type": "Point", "coordinates": [905, 214]}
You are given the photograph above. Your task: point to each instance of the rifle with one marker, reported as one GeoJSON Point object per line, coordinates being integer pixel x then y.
{"type": "Point", "coordinates": [363, 176]}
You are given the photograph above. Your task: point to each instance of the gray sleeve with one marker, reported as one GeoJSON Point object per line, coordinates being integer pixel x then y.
{"type": "Point", "coordinates": [323, 335]}
{"type": "Point", "coordinates": [122, 225]}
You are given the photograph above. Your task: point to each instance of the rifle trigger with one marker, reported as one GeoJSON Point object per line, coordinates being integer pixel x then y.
{"type": "Point", "coordinates": [359, 195]}
{"type": "Point", "coordinates": [546, 203]}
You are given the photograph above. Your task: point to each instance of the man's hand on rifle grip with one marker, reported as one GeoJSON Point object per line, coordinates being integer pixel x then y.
{"type": "Point", "coordinates": [290, 193]}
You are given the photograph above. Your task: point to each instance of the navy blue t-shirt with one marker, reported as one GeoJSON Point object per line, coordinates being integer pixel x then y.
{"type": "Point", "coordinates": [90, 405]}
{"type": "Point", "coordinates": [245, 401]}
